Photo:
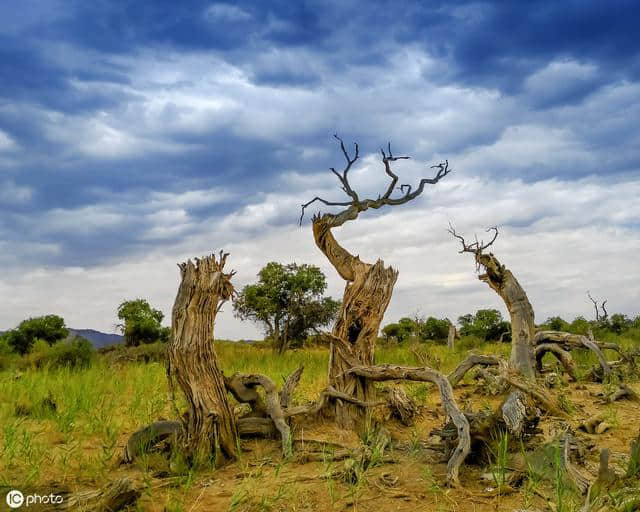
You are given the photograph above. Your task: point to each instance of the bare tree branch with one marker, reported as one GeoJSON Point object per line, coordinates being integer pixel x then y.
{"type": "Point", "coordinates": [595, 305]}
{"type": "Point", "coordinates": [478, 246]}
{"type": "Point", "coordinates": [357, 205]}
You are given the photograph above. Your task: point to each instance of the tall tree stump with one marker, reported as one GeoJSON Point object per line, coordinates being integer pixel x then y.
{"type": "Point", "coordinates": [366, 297]}
{"type": "Point", "coordinates": [209, 431]}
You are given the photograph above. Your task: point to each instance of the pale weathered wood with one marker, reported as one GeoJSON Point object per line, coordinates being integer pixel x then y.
{"type": "Point", "coordinates": [146, 438]}
{"type": "Point", "coordinates": [272, 404]}
{"type": "Point", "coordinates": [470, 362]}
{"type": "Point", "coordinates": [504, 283]}
{"type": "Point", "coordinates": [209, 425]}
{"type": "Point", "coordinates": [570, 341]}
{"type": "Point", "coordinates": [393, 372]}
{"type": "Point", "coordinates": [562, 355]}
{"type": "Point", "coordinates": [114, 496]}
{"type": "Point", "coordinates": [451, 337]}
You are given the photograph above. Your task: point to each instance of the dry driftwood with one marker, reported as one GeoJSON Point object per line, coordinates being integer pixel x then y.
{"type": "Point", "coordinates": [401, 405]}
{"type": "Point", "coordinates": [209, 427]}
{"type": "Point", "coordinates": [147, 437]}
{"type": "Point", "coordinates": [272, 405]}
{"type": "Point", "coordinates": [290, 384]}
{"type": "Point", "coordinates": [369, 286]}
{"type": "Point", "coordinates": [114, 496]}
{"type": "Point", "coordinates": [561, 355]}
{"type": "Point", "coordinates": [392, 372]}
{"type": "Point", "coordinates": [570, 341]}
{"type": "Point", "coordinates": [470, 362]}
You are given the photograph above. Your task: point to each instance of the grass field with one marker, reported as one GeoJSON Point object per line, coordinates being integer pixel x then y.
{"type": "Point", "coordinates": [67, 428]}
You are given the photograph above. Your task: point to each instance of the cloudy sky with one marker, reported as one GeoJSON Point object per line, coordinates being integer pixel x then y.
{"type": "Point", "coordinates": [134, 135]}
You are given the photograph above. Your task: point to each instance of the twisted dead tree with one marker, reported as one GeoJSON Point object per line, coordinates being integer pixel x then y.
{"type": "Point", "coordinates": [599, 317]}
{"type": "Point", "coordinates": [504, 283]}
{"type": "Point", "coordinates": [368, 286]}
{"type": "Point", "coordinates": [209, 428]}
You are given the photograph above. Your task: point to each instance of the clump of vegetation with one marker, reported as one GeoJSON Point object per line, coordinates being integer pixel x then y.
{"type": "Point", "coordinates": [486, 324]}
{"type": "Point", "coordinates": [417, 329]}
{"type": "Point", "coordinates": [287, 301]}
{"type": "Point", "coordinates": [49, 328]}
{"type": "Point", "coordinates": [141, 323]}
{"type": "Point", "coordinates": [72, 353]}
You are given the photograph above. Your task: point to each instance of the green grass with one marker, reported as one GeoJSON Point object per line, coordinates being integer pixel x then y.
{"type": "Point", "coordinates": [97, 408]}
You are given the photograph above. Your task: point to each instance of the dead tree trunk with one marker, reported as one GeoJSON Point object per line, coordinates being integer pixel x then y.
{"type": "Point", "coordinates": [503, 282]}
{"type": "Point", "coordinates": [451, 337]}
{"type": "Point", "coordinates": [368, 289]}
{"type": "Point", "coordinates": [366, 297]}
{"type": "Point", "coordinates": [209, 430]}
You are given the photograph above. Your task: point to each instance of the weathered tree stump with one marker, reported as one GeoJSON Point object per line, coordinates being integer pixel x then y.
{"type": "Point", "coordinates": [209, 425]}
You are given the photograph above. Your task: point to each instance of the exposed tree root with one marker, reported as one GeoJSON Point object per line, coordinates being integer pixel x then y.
{"type": "Point", "coordinates": [470, 362]}
{"type": "Point", "coordinates": [114, 496]}
{"type": "Point", "coordinates": [146, 438]}
{"type": "Point", "coordinates": [314, 409]}
{"type": "Point", "coordinates": [570, 341]}
{"type": "Point", "coordinates": [561, 355]}
{"type": "Point", "coordinates": [272, 405]}
{"type": "Point", "coordinates": [389, 372]}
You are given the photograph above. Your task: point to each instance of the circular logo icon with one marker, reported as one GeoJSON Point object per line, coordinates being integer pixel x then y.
{"type": "Point", "coordinates": [15, 499]}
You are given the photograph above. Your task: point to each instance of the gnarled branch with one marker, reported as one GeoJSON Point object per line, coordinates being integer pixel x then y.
{"type": "Point", "coordinates": [392, 372]}
{"type": "Point", "coordinates": [357, 205]}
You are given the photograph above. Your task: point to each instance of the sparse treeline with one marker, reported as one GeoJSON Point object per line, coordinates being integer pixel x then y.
{"type": "Point", "coordinates": [489, 325]}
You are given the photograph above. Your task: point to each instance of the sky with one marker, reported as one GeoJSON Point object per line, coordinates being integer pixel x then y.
{"type": "Point", "coordinates": [136, 135]}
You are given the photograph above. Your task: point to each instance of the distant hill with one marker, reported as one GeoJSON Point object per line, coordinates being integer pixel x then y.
{"type": "Point", "coordinates": [97, 338]}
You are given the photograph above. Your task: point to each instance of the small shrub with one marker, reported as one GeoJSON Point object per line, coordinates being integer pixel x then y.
{"type": "Point", "coordinates": [75, 353]}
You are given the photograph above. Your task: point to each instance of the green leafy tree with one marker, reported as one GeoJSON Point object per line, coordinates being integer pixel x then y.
{"type": "Point", "coordinates": [556, 323]}
{"type": "Point", "coordinates": [141, 323]}
{"type": "Point", "coordinates": [287, 301]}
{"type": "Point", "coordinates": [401, 330]}
{"type": "Point", "coordinates": [433, 329]}
{"type": "Point", "coordinates": [49, 328]}
{"type": "Point", "coordinates": [580, 325]}
{"type": "Point", "coordinates": [619, 323]}
{"type": "Point", "coordinates": [486, 324]}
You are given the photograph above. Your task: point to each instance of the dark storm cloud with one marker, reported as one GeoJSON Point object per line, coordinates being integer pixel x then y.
{"type": "Point", "coordinates": [105, 105]}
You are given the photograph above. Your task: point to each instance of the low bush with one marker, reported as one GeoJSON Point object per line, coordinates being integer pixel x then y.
{"type": "Point", "coordinates": [74, 353]}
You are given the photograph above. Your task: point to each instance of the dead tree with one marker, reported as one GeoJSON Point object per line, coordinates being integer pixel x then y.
{"type": "Point", "coordinates": [605, 315]}
{"type": "Point", "coordinates": [209, 428]}
{"type": "Point", "coordinates": [504, 283]}
{"type": "Point", "coordinates": [369, 286]}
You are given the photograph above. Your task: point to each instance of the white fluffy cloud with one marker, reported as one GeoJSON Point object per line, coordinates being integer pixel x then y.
{"type": "Point", "coordinates": [560, 238]}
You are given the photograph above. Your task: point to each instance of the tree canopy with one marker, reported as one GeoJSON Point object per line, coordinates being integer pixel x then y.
{"type": "Point", "coordinates": [49, 328]}
{"type": "Point", "coordinates": [486, 324]}
{"type": "Point", "coordinates": [287, 301]}
{"type": "Point", "coordinates": [141, 323]}
{"type": "Point", "coordinates": [430, 329]}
